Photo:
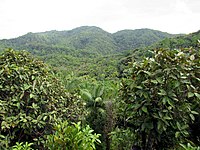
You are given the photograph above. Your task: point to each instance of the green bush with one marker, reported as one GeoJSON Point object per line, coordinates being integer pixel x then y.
{"type": "Point", "coordinates": [161, 96]}
{"type": "Point", "coordinates": [72, 137]}
{"type": "Point", "coordinates": [22, 146]}
{"type": "Point", "coordinates": [122, 139]}
{"type": "Point", "coordinates": [31, 99]}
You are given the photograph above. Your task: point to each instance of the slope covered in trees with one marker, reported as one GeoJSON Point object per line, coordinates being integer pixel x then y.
{"type": "Point", "coordinates": [183, 41]}
{"type": "Point", "coordinates": [84, 41]}
{"type": "Point", "coordinates": [80, 41]}
{"type": "Point", "coordinates": [132, 39]}
{"type": "Point", "coordinates": [87, 49]}
{"type": "Point", "coordinates": [156, 105]}
{"type": "Point", "coordinates": [179, 41]}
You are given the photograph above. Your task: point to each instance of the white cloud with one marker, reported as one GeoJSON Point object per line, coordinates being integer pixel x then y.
{"type": "Point", "coordinates": [21, 16]}
{"type": "Point", "coordinates": [181, 6]}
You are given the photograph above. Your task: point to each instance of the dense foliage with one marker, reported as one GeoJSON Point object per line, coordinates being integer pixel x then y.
{"type": "Point", "coordinates": [176, 42]}
{"type": "Point", "coordinates": [132, 39]}
{"type": "Point", "coordinates": [84, 41]}
{"type": "Point", "coordinates": [185, 41]}
{"type": "Point", "coordinates": [100, 87]}
{"type": "Point", "coordinates": [87, 48]}
{"type": "Point", "coordinates": [72, 137]}
{"type": "Point", "coordinates": [31, 99]}
{"type": "Point", "coordinates": [162, 96]}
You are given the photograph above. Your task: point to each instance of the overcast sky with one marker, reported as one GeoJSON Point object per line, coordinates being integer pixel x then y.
{"type": "Point", "coordinates": [17, 17]}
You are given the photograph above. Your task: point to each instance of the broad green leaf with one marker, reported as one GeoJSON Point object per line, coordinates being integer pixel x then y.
{"type": "Point", "coordinates": [177, 134]}
{"type": "Point", "coordinates": [194, 112]}
{"type": "Point", "coordinates": [98, 99]}
{"type": "Point", "coordinates": [167, 118]}
{"type": "Point", "coordinates": [192, 57]}
{"type": "Point", "coordinates": [147, 72]}
{"type": "Point", "coordinates": [86, 95]}
{"type": "Point", "coordinates": [154, 81]}
{"type": "Point", "coordinates": [162, 92]}
{"type": "Point", "coordinates": [197, 95]}
{"type": "Point", "coordinates": [192, 117]}
{"type": "Point", "coordinates": [178, 125]}
{"type": "Point", "coordinates": [190, 94]}
{"type": "Point", "coordinates": [144, 109]}
{"type": "Point", "coordinates": [139, 87]}
{"type": "Point", "coordinates": [1, 71]}
{"type": "Point", "coordinates": [18, 105]}
{"type": "Point", "coordinates": [176, 84]}
{"type": "Point", "coordinates": [160, 124]}
{"type": "Point", "coordinates": [34, 83]}
{"type": "Point", "coordinates": [160, 80]}
{"type": "Point", "coordinates": [32, 95]}
{"type": "Point", "coordinates": [26, 86]}
{"type": "Point", "coordinates": [169, 101]}
{"type": "Point", "coordinates": [101, 91]}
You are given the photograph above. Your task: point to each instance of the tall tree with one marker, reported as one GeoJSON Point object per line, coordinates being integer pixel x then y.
{"type": "Point", "coordinates": [161, 96]}
{"type": "Point", "coordinates": [31, 99]}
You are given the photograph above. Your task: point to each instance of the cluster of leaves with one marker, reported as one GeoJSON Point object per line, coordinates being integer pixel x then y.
{"type": "Point", "coordinates": [100, 110]}
{"type": "Point", "coordinates": [161, 96]}
{"type": "Point", "coordinates": [31, 99]}
{"type": "Point", "coordinates": [66, 136]}
{"type": "Point", "coordinates": [189, 147]}
{"type": "Point", "coordinates": [99, 101]}
{"type": "Point", "coordinates": [122, 139]}
{"type": "Point", "coordinates": [22, 146]}
{"type": "Point", "coordinates": [72, 137]}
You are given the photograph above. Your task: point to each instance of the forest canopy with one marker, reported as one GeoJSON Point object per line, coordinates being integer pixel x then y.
{"type": "Point", "coordinates": [90, 89]}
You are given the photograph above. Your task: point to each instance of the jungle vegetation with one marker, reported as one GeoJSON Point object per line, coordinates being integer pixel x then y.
{"type": "Point", "coordinates": [88, 89]}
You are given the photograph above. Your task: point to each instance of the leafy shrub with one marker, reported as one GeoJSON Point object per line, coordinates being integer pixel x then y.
{"type": "Point", "coordinates": [31, 99]}
{"type": "Point", "coordinates": [72, 137]}
{"type": "Point", "coordinates": [189, 147]}
{"type": "Point", "coordinates": [22, 146]}
{"type": "Point", "coordinates": [161, 96]}
{"type": "Point", "coordinates": [122, 139]}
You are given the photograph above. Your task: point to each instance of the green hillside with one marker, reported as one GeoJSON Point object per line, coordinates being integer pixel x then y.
{"type": "Point", "coordinates": [77, 42]}
{"type": "Point", "coordinates": [132, 39]}
{"type": "Point", "coordinates": [84, 41]}
{"type": "Point", "coordinates": [83, 50]}
{"type": "Point", "coordinates": [179, 41]}
{"type": "Point", "coordinates": [185, 41]}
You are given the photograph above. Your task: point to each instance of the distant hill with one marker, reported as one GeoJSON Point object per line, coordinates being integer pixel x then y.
{"type": "Point", "coordinates": [132, 39]}
{"type": "Point", "coordinates": [79, 41]}
{"type": "Point", "coordinates": [86, 50]}
{"type": "Point", "coordinates": [179, 41]}
{"type": "Point", "coordinates": [89, 50]}
{"type": "Point", "coordinates": [182, 41]}
{"type": "Point", "coordinates": [84, 41]}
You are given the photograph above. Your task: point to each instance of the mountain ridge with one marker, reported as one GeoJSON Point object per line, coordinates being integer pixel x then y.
{"type": "Point", "coordinates": [86, 39]}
